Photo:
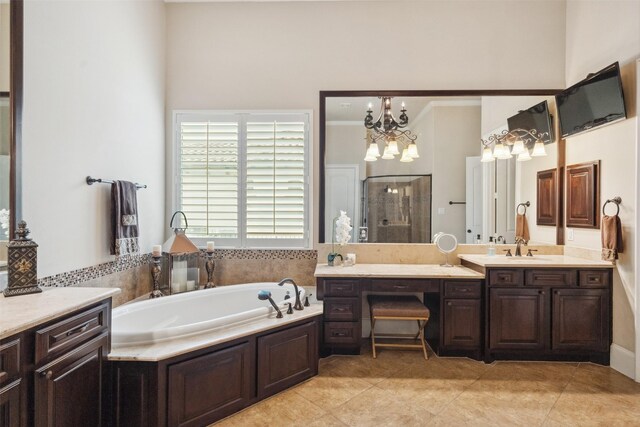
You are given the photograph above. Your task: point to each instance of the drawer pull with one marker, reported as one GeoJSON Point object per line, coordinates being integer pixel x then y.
{"type": "Point", "coordinates": [541, 292]}
{"type": "Point", "coordinates": [462, 289]}
{"type": "Point", "coordinates": [340, 309]}
{"type": "Point", "coordinates": [400, 286]}
{"type": "Point", "coordinates": [79, 329]}
{"type": "Point", "coordinates": [594, 279]}
{"type": "Point", "coordinates": [449, 304]}
{"type": "Point", "coordinates": [338, 334]}
{"type": "Point", "coordinates": [48, 375]}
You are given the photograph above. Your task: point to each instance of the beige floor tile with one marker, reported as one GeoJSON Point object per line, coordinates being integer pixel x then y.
{"type": "Point", "coordinates": [329, 392]}
{"type": "Point", "coordinates": [288, 408]}
{"type": "Point", "coordinates": [377, 407]}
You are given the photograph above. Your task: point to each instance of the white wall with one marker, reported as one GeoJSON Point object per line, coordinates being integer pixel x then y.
{"type": "Point", "coordinates": [93, 105]}
{"type": "Point", "coordinates": [597, 34]}
{"type": "Point", "coordinates": [280, 55]}
{"type": "Point", "coordinates": [4, 47]}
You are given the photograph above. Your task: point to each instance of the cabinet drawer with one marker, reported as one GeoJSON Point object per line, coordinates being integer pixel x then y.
{"type": "Point", "coordinates": [403, 285]}
{"type": "Point", "coordinates": [341, 288]}
{"type": "Point", "coordinates": [9, 361]}
{"type": "Point", "coordinates": [462, 289]}
{"type": "Point", "coordinates": [593, 278]}
{"type": "Point", "coordinates": [550, 277]}
{"type": "Point", "coordinates": [68, 333]}
{"type": "Point", "coordinates": [342, 309]}
{"type": "Point", "coordinates": [341, 332]}
{"type": "Point", "coordinates": [505, 277]}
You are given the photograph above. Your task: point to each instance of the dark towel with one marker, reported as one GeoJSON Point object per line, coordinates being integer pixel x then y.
{"type": "Point", "coordinates": [124, 218]}
{"type": "Point", "coordinates": [611, 233]}
{"type": "Point", "coordinates": [522, 228]}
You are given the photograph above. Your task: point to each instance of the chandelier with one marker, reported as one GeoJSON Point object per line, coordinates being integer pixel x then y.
{"type": "Point", "coordinates": [388, 130]}
{"type": "Point", "coordinates": [519, 140]}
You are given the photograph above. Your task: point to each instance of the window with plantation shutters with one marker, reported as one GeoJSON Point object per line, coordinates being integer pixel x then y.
{"type": "Point", "coordinates": [242, 178]}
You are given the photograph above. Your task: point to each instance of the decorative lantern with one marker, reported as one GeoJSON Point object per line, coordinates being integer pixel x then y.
{"type": "Point", "coordinates": [23, 264]}
{"type": "Point", "coordinates": [183, 259]}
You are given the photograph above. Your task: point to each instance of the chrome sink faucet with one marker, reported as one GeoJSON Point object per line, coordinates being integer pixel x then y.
{"type": "Point", "coordinates": [298, 304]}
{"type": "Point", "coordinates": [519, 243]}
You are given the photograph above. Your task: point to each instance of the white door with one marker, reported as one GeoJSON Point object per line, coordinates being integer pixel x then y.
{"type": "Point", "coordinates": [342, 193]}
{"type": "Point", "coordinates": [474, 200]}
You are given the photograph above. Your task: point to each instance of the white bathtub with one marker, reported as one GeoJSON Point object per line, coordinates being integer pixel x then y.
{"type": "Point", "coordinates": [190, 313]}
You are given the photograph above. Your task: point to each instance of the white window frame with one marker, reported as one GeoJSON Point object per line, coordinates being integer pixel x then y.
{"type": "Point", "coordinates": [242, 242]}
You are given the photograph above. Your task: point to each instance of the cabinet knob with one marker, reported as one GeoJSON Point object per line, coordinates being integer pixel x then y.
{"type": "Point", "coordinates": [48, 375]}
{"type": "Point", "coordinates": [449, 303]}
{"type": "Point", "coordinates": [541, 292]}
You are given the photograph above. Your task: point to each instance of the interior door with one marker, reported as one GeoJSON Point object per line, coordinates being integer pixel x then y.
{"type": "Point", "coordinates": [474, 200]}
{"type": "Point", "coordinates": [342, 190]}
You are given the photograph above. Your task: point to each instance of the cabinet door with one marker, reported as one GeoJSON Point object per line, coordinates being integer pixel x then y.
{"type": "Point", "coordinates": [286, 358]}
{"type": "Point", "coordinates": [68, 391]}
{"type": "Point", "coordinates": [462, 323]}
{"type": "Point", "coordinates": [209, 387]}
{"type": "Point", "coordinates": [517, 319]}
{"type": "Point", "coordinates": [10, 405]}
{"type": "Point", "coordinates": [580, 319]}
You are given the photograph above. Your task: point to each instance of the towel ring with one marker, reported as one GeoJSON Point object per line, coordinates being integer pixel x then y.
{"type": "Point", "coordinates": [525, 206]}
{"type": "Point", "coordinates": [616, 200]}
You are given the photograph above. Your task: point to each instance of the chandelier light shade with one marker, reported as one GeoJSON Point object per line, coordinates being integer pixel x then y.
{"type": "Point", "coordinates": [516, 142]}
{"type": "Point", "coordinates": [388, 129]}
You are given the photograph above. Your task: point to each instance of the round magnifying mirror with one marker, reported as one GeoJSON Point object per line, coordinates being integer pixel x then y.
{"type": "Point", "coordinates": [446, 243]}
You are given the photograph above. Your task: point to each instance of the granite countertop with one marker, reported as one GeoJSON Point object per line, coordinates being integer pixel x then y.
{"type": "Point", "coordinates": [23, 312]}
{"type": "Point", "coordinates": [537, 261]}
{"type": "Point", "coordinates": [419, 271]}
{"type": "Point", "coordinates": [177, 346]}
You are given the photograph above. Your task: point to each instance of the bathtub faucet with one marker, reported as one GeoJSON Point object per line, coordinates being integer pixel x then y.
{"type": "Point", "coordinates": [298, 304]}
{"type": "Point", "coordinates": [266, 295]}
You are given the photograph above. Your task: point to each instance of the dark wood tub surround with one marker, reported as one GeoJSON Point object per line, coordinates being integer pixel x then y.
{"type": "Point", "coordinates": [206, 385]}
{"type": "Point", "coordinates": [517, 312]}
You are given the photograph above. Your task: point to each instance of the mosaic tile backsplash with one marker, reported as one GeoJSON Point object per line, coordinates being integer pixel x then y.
{"type": "Point", "coordinates": [232, 266]}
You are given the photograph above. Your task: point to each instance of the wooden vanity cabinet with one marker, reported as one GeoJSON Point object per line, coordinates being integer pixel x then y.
{"type": "Point", "coordinates": [53, 374]}
{"type": "Point", "coordinates": [552, 314]}
{"type": "Point", "coordinates": [342, 324]}
{"type": "Point", "coordinates": [462, 318]}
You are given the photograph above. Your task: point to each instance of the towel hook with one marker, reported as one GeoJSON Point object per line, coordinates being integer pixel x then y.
{"type": "Point", "coordinates": [525, 206]}
{"type": "Point", "coordinates": [617, 200]}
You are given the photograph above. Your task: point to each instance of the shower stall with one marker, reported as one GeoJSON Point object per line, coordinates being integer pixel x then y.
{"type": "Point", "coordinates": [397, 208]}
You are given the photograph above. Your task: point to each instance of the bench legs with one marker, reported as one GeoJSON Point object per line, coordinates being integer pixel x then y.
{"type": "Point", "coordinates": [422, 323]}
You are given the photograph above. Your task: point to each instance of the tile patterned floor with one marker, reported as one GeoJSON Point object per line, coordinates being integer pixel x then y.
{"type": "Point", "coordinates": [400, 388]}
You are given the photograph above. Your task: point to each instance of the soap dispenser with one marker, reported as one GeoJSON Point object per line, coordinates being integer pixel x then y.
{"type": "Point", "coordinates": [491, 251]}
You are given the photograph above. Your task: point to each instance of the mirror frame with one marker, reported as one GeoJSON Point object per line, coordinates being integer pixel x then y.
{"type": "Point", "coordinates": [16, 42]}
{"type": "Point", "coordinates": [407, 93]}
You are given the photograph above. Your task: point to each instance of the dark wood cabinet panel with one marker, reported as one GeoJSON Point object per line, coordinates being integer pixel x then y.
{"type": "Point", "coordinates": [546, 198]}
{"type": "Point", "coordinates": [285, 358]}
{"type": "Point", "coordinates": [68, 391]}
{"type": "Point", "coordinates": [404, 285]}
{"type": "Point", "coordinates": [64, 335]}
{"type": "Point", "coordinates": [342, 309]}
{"type": "Point", "coordinates": [506, 277]}
{"type": "Point", "coordinates": [580, 319]}
{"type": "Point", "coordinates": [210, 387]}
{"type": "Point", "coordinates": [462, 289]}
{"type": "Point", "coordinates": [342, 333]}
{"type": "Point", "coordinates": [517, 319]}
{"type": "Point", "coordinates": [461, 327]}
{"type": "Point", "coordinates": [9, 361]}
{"type": "Point", "coordinates": [10, 405]}
{"type": "Point", "coordinates": [594, 278]}
{"type": "Point", "coordinates": [551, 277]}
{"type": "Point", "coordinates": [341, 287]}
{"type": "Point", "coordinates": [583, 195]}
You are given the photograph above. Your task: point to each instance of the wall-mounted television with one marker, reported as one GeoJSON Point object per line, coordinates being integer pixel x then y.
{"type": "Point", "coordinates": [536, 117]}
{"type": "Point", "coordinates": [595, 101]}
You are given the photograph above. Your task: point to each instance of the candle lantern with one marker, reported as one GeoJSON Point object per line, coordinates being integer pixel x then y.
{"type": "Point", "coordinates": [23, 264]}
{"type": "Point", "coordinates": [183, 258]}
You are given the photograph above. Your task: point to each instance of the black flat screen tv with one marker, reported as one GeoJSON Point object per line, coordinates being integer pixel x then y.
{"type": "Point", "coordinates": [595, 101]}
{"type": "Point", "coordinates": [536, 117]}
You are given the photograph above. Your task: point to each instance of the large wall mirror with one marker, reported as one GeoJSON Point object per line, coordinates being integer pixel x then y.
{"type": "Point", "coordinates": [11, 28]}
{"type": "Point", "coordinates": [428, 177]}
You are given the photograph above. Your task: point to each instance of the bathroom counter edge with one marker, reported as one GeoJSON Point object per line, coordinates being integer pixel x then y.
{"type": "Point", "coordinates": [23, 312]}
{"type": "Point", "coordinates": [396, 271]}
